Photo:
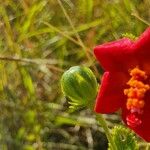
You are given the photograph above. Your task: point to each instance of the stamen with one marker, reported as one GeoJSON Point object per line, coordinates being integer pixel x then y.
{"type": "Point", "coordinates": [135, 96]}
{"type": "Point", "coordinates": [136, 73]}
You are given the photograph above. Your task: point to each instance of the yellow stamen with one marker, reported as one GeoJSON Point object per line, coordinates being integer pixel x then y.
{"type": "Point", "coordinates": [137, 73]}
{"type": "Point", "coordinates": [136, 91]}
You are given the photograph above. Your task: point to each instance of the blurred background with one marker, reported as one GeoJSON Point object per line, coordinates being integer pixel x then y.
{"type": "Point", "coordinates": [39, 40]}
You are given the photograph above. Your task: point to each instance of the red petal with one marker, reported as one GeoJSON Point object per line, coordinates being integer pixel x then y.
{"type": "Point", "coordinates": [142, 45]}
{"type": "Point", "coordinates": [143, 129]}
{"type": "Point", "coordinates": [110, 96]}
{"type": "Point", "coordinates": [142, 50]}
{"type": "Point", "coordinates": [115, 56]}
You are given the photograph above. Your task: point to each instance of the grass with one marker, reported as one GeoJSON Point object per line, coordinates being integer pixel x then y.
{"type": "Point", "coordinates": [39, 40]}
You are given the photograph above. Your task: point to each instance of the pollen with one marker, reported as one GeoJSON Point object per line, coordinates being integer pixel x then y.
{"type": "Point", "coordinates": [136, 73]}
{"type": "Point", "coordinates": [135, 95]}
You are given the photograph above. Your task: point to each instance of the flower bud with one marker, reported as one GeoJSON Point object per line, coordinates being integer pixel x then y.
{"type": "Point", "coordinates": [79, 85]}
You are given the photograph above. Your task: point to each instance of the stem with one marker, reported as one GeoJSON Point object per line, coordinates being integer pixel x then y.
{"type": "Point", "coordinates": [141, 19]}
{"type": "Point", "coordinates": [148, 147]}
{"type": "Point", "coordinates": [103, 123]}
{"type": "Point", "coordinates": [50, 63]}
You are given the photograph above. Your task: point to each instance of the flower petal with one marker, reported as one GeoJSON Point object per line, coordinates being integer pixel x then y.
{"type": "Point", "coordinates": [142, 45]}
{"type": "Point", "coordinates": [115, 56]}
{"type": "Point", "coordinates": [110, 96]}
{"type": "Point", "coordinates": [142, 50]}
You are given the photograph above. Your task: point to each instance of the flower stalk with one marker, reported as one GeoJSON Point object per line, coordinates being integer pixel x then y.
{"type": "Point", "coordinates": [103, 123]}
{"type": "Point", "coordinates": [148, 146]}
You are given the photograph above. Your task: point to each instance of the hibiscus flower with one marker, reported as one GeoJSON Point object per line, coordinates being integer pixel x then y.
{"type": "Point", "coordinates": [125, 83]}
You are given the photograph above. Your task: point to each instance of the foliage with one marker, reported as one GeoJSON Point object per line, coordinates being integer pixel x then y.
{"type": "Point", "coordinates": [124, 139]}
{"type": "Point", "coordinates": [38, 43]}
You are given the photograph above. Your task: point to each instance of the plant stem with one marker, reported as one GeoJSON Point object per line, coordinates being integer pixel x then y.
{"type": "Point", "coordinates": [148, 147]}
{"type": "Point", "coordinates": [50, 63]}
{"type": "Point", "coordinates": [103, 123]}
{"type": "Point", "coordinates": [141, 19]}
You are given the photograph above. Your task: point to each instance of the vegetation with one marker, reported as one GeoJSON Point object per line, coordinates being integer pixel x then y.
{"type": "Point", "coordinates": [39, 40]}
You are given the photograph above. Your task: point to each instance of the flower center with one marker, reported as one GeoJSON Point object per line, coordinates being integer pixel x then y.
{"type": "Point", "coordinates": [135, 96]}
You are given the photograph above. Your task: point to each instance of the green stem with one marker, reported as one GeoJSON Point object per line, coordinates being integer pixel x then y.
{"type": "Point", "coordinates": [103, 123]}
{"type": "Point", "coordinates": [148, 147]}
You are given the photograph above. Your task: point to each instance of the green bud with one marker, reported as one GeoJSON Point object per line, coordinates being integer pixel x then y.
{"type": "Point", "coordinates": [80, 86]}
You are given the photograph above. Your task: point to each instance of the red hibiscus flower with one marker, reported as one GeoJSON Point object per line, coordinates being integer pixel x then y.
{"type": "Point", "coordinates": [126, 81]}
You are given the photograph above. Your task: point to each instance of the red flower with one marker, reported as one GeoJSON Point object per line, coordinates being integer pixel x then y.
{"type": "Point", "coordinates": [126, 81]}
